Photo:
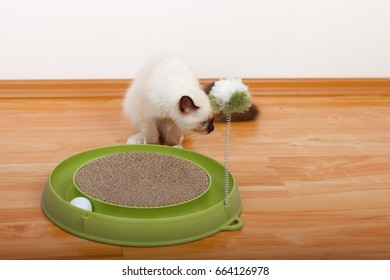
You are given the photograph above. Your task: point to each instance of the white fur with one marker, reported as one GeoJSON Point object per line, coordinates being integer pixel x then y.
{"type": "Point", "coordinates": [224, 89]}
{"type": "Point", "coordinates": [152, 102]}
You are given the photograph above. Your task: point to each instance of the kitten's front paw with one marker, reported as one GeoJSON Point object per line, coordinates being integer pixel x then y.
{"type": "Point", "coordinates": [136, 139]}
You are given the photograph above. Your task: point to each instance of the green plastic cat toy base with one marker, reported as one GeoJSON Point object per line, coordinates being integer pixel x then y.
{"type": "Point", "coordinates": [142, 226]}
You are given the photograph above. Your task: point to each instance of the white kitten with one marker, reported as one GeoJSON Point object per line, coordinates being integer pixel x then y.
{"type": "Point", "coordinates": [165, 101]}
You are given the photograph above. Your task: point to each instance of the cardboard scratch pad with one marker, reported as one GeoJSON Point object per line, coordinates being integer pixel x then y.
{"type": "Point", "coordinates": [142, 179]}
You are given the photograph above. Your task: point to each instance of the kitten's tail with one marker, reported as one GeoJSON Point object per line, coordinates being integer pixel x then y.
{"type": "Point", "coordinates": [249, 115]}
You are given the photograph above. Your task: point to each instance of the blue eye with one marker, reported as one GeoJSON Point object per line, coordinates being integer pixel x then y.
{"type": "Point", "coordinates": [204, 123]}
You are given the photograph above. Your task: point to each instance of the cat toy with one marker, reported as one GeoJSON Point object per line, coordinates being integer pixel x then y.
{"type": "Point", "coordinates": [229, 96]}
{"type": "Point", "coordinates": [124, 195]}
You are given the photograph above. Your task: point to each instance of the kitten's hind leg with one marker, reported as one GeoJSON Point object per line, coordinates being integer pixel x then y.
{"type": "Point", "coordinates": [174, 137]}
{"type": "Point", "coordinates": [150, 133]}
{"type": "Point", "coordinates": [136, 139]}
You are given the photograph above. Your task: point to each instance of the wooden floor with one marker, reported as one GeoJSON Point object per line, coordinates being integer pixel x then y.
{"type": "Point", "coordinates": [313, 173]}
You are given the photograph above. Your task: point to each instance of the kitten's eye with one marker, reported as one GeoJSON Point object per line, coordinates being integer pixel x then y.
{"type": "Point", "coordinates": [204, 123]}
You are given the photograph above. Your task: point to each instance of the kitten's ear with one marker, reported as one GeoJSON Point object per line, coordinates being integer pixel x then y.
{"type": "Point", "coordinates": [186, 105]}
{"type": "Point", "coordinates": [207, 87]}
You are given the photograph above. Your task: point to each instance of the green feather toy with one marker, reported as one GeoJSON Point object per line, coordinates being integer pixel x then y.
{"type": "Point", "coordinates": [229, 96]}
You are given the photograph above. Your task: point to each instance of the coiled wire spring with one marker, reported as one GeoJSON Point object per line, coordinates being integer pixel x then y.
{"type": "Point", "coordinates": [227, 152]}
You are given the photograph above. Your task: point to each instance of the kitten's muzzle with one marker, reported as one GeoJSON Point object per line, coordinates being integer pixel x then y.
{"type": "Point", "coordinates": [205, 130]}
{"type": "Point", "coordinates": [210, 128]}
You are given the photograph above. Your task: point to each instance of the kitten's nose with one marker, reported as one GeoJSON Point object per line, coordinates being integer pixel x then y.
{"type": "Point", "coordinates": [210, 127]}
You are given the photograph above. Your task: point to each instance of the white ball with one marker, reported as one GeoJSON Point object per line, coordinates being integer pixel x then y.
{"type": "Point", "coordinates": [82, 202]}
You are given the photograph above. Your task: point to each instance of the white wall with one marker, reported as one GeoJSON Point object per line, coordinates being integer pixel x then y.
{"type": "Point", "coordinates": [72, 39]}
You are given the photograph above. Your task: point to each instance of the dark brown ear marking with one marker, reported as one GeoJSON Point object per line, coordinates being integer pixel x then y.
{"type": "Point", "coordinates": [186, 104]}
{"type": "Point", "coordinates": [207, 87]}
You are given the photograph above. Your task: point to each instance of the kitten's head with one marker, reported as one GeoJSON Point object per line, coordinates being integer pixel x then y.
{"type": "Point", "coordinates": [194, 113]}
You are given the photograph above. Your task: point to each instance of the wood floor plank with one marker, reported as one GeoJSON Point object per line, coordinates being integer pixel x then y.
{"type": "Point", "coordinates": [313, 174]}
{"type": "Point", "coordinates": [39, 239]}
